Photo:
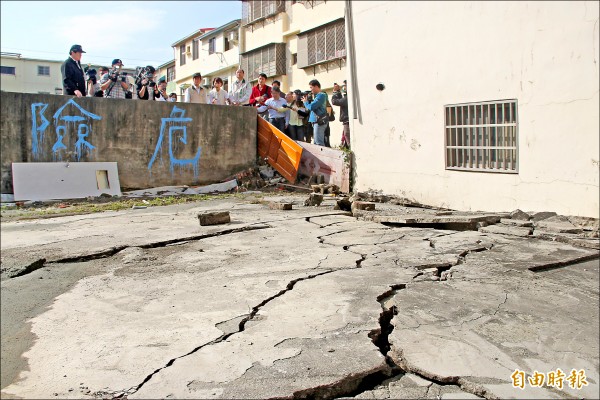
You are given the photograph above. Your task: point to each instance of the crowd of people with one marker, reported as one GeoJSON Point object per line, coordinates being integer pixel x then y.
{"type": "Point", "coordinates": [303, 116]}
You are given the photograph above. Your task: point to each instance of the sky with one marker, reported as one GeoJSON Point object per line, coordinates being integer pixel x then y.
{"type": "Point", "coordinates": [137, 32]}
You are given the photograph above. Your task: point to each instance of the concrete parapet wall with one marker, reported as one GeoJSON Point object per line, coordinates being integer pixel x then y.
{"type": "Point", "coordinates": [153, 143]}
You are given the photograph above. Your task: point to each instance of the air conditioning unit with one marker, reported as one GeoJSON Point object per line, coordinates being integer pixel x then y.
{"type": "Point", "coordinates": [188, 49]}
{"type": "Point", "coordinates": [232, 36]}
{"type": "Point", "coordinates": [205, 82]}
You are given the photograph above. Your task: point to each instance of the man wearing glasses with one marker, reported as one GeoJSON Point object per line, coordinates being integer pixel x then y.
{"type": "Point", "coordinates": [72, 73]}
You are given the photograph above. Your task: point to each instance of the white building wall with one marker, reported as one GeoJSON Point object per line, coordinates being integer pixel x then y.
{"type": "Point", "coordinates": [26, 78]}
{"type": "Point", "coordinates": [430, 54]}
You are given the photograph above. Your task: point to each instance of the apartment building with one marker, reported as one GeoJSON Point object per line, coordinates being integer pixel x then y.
{"type": "Point", "coordinates": [30, 75]}
{"type": "Point", "coordinates": [212, 52]}
{"type": "Point", "coordinates": [471, 111]}
{"type": "Point", "coordinates": [168, 71]}
{"type": "Point", "coordinates": [294, 42]}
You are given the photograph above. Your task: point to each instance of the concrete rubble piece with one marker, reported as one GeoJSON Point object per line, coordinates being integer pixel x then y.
{"type": "Point", "coordinates": [310, 303]}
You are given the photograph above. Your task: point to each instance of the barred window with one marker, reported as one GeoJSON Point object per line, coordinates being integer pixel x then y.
{"type": "Point", "coordinates": [182, 54]}
{"type": "Point", "coordinates": [255, 10]}
{"type": "Point", "coordinates": [43, 70]}
{"type": "Point", "coordinates": [322, 44]}
{"type": "Point", "coordinates": [269, 60]}
{"type": "Point", "coordinates": [195, 49]}
{"type": "Point", "coordinates": [212, 45]}
{"type": "Point", "coordinates": [171, 74]}
{"type": "Point", "coordinates": [482, 136]}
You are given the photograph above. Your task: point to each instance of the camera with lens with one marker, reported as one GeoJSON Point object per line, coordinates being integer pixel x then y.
{"type": "Point", "coordinates": [147, 73]}
{"type": "Point", "coordinates": [91, 75]}
{"type": "Point", "coordinates": [309, 95]}
{"type": "Point", "coordinates": [115, 73]}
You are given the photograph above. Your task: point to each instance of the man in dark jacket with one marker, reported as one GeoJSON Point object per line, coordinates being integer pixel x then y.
{"type": "Point", "coordinates": [340, 98]}
{"type": "Point", "coordinates": [72, 73]}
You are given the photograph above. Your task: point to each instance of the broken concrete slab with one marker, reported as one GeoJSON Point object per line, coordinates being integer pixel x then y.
{"type": "Point", "coordinates": [363, 206]}
{"type": "Point", "coordinates": [507, 230]}
{"type": "Point", "coordinates": [273, 205]}
{"type": "Point", "coordinates": [214, 218]}
{"type": "Point", "coordinates": [516, 222]}
{"type": "Point", "coordinates": [519, 215]}
{"type": "Point", "coordinates": [211, 323]}
{"type": "Point", "coordinates": [452, 222]}
{"type": "Point", "coordinates": [575, 240]}
{"type": "Point", "coordinates": [557, 227]}
{"type": "Point", "coordinates": [539, 216]}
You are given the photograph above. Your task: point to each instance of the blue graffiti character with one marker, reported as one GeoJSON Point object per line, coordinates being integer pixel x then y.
{"type": "Point", "coordinates": [177, 117]}
{"type": "Point", "coordinates": [83, 128]}
{"type": "Point", "coordinates": [37, 131]}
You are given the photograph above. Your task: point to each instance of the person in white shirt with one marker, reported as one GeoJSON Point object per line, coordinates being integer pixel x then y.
{"type": "Point", "coordinates": [296, 114]}
{"type": "Point", "coordinates": [196, 93]}
{"type": "Point", "coordinates": [218, 95]}
{"type": "Point", "coordinates": [240, 90]}
{"type": "Point", "coordinates": [277, 118]}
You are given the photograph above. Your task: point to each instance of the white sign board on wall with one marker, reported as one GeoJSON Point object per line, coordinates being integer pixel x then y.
{"type": "Point", "coordinates": [64, 180]}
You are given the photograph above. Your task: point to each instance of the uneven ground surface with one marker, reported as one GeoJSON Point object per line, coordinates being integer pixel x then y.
{"type": "Point", "coordinates": [310, 302]}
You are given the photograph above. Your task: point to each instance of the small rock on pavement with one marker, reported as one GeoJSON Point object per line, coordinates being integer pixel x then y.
{"type": "Point", "coordinates": [274, 205]}
{"type": "Point", "coordinates": [344, 205]}
{"type": "Point", "coordinates": [363, 205]}
{"type": "Point", "coordinates": [214, 218]}
{"type": "Point", "coordinates": [314, 199]}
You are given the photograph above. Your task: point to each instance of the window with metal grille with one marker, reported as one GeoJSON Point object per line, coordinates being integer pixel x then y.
{"type": "Point", "coordinates": [7, 70]}
{"type": "Point", "coordinates": [269, 60]}
{"type": "Point", "coordinates": [212, 45]}
{"type": "Point", "coordinates": [182, 54]}
{"type": "Point", "coordinates": [322, 44]}
{"type": "Point", "coordinates": [255, 10]}
{"type": "Point", "coordinates": [43, 70]}
{"type": "Point", "coordinates": [171, 74]}
{"type": "Point", "coordinates": [195, 50]}
{"type": "Point", "coordinates": [482, 136]}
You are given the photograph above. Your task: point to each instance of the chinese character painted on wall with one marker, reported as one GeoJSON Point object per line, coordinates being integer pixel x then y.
{"type": "Point", "coordinates": [77, 120]}
{"type": "Point", "coordinates": [175, 124]}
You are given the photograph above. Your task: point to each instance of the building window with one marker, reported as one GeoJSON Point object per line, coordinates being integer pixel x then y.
{"type": "Point", "coordinates": [482, 136]}
{"type": "Point", "coordinates": [182, 54]}
{"type": "Point", "coordinates": [256, 10]}
{"type": "Point", "coordinates": [269, 60]}
{"type": "Point", "coordinates": [43, 70]}
{"type": "Point", "coordinates": [322, 44]}
{"type": "Point", "coordinates": [195, 50]}
{"type": "Point", "coordinates": [170, 74]}
{"type": "Point", "coordinates": [225, 44]}
{"type": "Point", "coordinates": [212, 45]}
{"type": "Point", "coordinates": [7, 70]}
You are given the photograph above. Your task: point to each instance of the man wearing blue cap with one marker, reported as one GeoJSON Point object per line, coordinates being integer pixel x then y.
{"type": "Point", "coordinates": [72, 73]}
{"type": "Point", "coordinates": [115, 83]}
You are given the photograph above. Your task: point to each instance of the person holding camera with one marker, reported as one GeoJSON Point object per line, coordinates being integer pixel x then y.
{"type": "Point", "coordinates": [340, 98]}
{"type": "Point", "coordinates": [318, 113]}
{"type": "Point", "coordinates": [160, 90]}
{"type": "Point", "coordinates": [145, 85]}
{"type": "Point", "coordinates": [72, 73]}
{"type": "Point", "coordinates": [114, 83]}
{"type": "Point", "coordinates": [277, 117]}
{"type": "Point", "coordinates": [296, 115]}
{"type": "Point", "coordinates": [93, 86]}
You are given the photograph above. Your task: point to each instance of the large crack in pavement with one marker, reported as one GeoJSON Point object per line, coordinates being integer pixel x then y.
{"type": "Point", "coordinates": [42, 262]}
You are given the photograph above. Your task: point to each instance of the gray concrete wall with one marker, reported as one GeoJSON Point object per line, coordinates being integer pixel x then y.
{"type": "Point", "coordinates": [154, 143]}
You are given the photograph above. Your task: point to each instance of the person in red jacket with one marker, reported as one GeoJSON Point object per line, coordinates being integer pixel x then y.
{"type": "Point", "coordinates": [261, 92]}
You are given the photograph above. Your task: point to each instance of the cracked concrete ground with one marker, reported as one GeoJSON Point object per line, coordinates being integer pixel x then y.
{"type": "Point", "coordinates": [307, 303]}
